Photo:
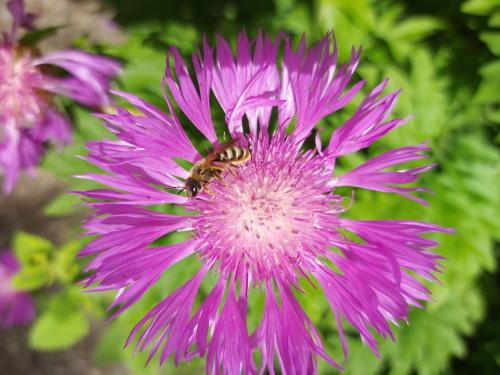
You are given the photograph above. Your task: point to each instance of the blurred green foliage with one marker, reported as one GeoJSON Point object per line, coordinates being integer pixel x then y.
{"type": "Point", "coordinates": [50, 274]}
{"type": "Point", "coordinates": [445, 57]}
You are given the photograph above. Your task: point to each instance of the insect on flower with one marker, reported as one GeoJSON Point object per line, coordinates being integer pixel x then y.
{"type": "Point", "coordinates": [277, 222]}
{"type": "Point", "coordinates": [213, 165]}
{"type": "Point", "coordinates": [28, 115]}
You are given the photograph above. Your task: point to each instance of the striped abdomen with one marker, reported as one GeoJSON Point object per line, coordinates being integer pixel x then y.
{"type": "Point", "coordinates": [234, 155]}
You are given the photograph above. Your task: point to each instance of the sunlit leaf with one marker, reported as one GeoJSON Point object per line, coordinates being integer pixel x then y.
{"type": "Point", "coordinates": [61, 325]}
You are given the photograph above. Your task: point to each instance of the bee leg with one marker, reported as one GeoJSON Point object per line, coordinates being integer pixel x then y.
{"type": "Point", "coordinates": [233, 169]}
{"type": "Point", "coordinates": [219, 177]}
{"type": "Point", "coordinates": [217, 167]}
{"type": "Point", "coordinates": [207, 189]}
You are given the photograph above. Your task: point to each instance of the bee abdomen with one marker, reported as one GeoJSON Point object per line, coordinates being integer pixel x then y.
{"type": "Point", "coordinates": [234, 154]}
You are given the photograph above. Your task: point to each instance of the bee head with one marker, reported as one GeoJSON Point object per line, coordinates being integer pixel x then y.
{"type": "Point", "coordinates": [192, 187]}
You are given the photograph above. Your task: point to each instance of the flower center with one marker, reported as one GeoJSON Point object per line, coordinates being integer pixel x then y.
{"type": "Point", "coordinates": [265, 217]}
{"type": "Point", "coordinates": [268, 215]}
{"type": "Point", "coordinates": [18, 88]}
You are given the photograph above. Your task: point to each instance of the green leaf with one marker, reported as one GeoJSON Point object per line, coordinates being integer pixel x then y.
{"type": "Point", "coordinates": [144, 68]}
{"type": "Point", "coordinates": [434, 334]}
{"type": "Point", "coordinates": [402, 36]}
{"type": "Point", "coordinates": [494, 20]}
{"type": "Point", "coordinates": [182, 35]}
{"type": "Point", "coordinates": [351, 21]}
{"type": "Point", "coordinates": [297, 19]}
{"type": "Point", "coordinates": [31, 278]}
{"type": "Point", "coordinates": [415, 28]}
{"type": "Point", "coordinates": [65, 265]}
{"type": "Point", "coordinates": [488, 93]}
{"type": "Point", "coordinates": [423, 94]}
{"type": "Point", "coordinates": [480, 7]}
{"type": "Point", "coordinates": [360, 11]}
{"type": "Point", "coordinates": [60, 326]}
{"type": "Point", "coordinates": [30, 248]}
{"type": "Point", "coordinates": [63, 204]}
{"type": "Point", "coordinates": [492, 40]}
{"type": "Point", "coordinates": [31, 39]}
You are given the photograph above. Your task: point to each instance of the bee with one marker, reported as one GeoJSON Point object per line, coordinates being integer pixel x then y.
{"type": "Point", "coordinates": [211, 167]}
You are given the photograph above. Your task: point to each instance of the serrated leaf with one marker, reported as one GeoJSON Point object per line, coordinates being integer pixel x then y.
{"type": "Point", "coordinates": [433, 335]}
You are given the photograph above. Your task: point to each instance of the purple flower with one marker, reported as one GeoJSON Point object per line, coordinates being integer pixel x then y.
{"type": "Point", "coordinates": [271, 222]}
{"type": "Point", "coordinates": [28, 116]}
{"type": "Point", "coordinates": [16, 308]}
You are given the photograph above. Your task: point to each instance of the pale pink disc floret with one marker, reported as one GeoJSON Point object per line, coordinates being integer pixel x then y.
{"type": "Point", "coordinates": [276, 220]}
{"type": "Point", "coordinates": [28, 116]}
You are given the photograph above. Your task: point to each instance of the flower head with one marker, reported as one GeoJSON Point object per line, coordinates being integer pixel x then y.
{"type": "Point", "coordinates": [16, 307]}
{"type": "Point", "coordinates": [265, 224]}
{"type": "Point", "coordinates": [28, 116]}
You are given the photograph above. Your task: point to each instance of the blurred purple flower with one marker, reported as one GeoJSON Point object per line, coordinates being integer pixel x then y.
{"type": "Point", "coordinates": [16, 308]}
{"type": "Point", "coordinates": [276, 220]}
{"type": "Point", "coordinates": [28, 116]}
